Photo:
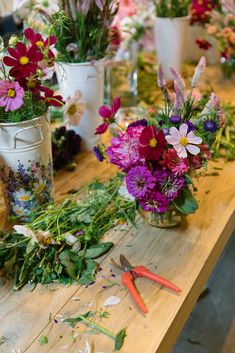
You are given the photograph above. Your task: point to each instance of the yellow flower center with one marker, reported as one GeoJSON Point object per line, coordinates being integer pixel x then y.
{"type": "Point", "coordinates": [153, 142]}
{"type": "Point", "coordinates": [31, 84]}
{"type": "Point", "coordinates": [184, 141]}
{"type": "Point", "coordinates": [40, 44]}
{"type": "Point", "coordinates": [24, 198]}
{"type": "Point", "coordinates": [11, 93]}
{"type": "Point", "coordinates": [19, 212]}
{"type": "Point", "coordinates": [24, 60]}
{"type": "Point", "coordinates": [72, 109]}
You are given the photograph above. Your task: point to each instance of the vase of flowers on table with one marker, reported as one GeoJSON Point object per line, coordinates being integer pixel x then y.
{"type": "Point", "coordinates": [170, 28]}
{"type": "Point", "coordinates": [222, 29]}
{"type": "Point", "coordinates": [25, 137]}
{"type": "Point", "coordinates": [83, 31]}
{"type": "Point", "coordinates": [196, 43]}
{"type": "Point", "coordinates": [157, 157]}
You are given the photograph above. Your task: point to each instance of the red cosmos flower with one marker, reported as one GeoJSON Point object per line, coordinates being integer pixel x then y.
{"type": "Point", "coordinates": [203, 43]}
{"type": "Point", "coordinates": [152, 143]}
{"type": "Point", "coordinates": [31, 84]}
{"type": "Point", "coordinates": [108, 115]}
{"type": "Point", "coordinates": [56, 101]}
{"type": "Point", "coordinates": [43, 45]}
{"type": "Point", "coordinates": [23, 60]}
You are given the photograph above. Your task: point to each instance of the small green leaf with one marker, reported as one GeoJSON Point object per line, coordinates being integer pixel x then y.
{"type": "Point", "coordinates": [99, 249]}
{"type": "Point", "coordinates": [73, 321]}
{"type": "Point", "coordinates": [2, 340]}
{"type": "Point", "coordinates": [186, 202]}
{"type": "Point", "coordinates": [43, 340]}
{"type": "Point", "coordinates": [119, 340]}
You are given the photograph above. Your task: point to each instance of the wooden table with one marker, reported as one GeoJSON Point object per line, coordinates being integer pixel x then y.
{"type": "Point", "coordinates": [185, 255]}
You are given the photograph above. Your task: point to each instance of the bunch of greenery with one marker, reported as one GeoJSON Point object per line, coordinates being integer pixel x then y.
{"type": "Point", "coordinates": [172, 8]}
{"type": "Point", "coordinates": [82, 29]}
{"type": "Point", "coordinates": [62, 241]}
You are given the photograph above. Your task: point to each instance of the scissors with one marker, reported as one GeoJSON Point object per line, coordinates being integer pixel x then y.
{"type": "Point", "coordinates": [131, 272]}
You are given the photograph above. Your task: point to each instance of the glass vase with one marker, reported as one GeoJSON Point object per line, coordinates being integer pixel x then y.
{"type": "Point", "coordinates": [121, 76]}
{"type": "Point", "coordinates": [168, 219]}
{"type": "Point", "coordinates": [227, 67]}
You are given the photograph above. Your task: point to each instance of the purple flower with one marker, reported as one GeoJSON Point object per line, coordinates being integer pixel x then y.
{"type": "Point", "coordinates": [170, 184]}
{"type": "Point", "coordinates": [166, 130]}
{"type": "Point", "coordinates": [191, 126]}
{"type": "Point", "coordinates": [139, 181]}
{"type": "Point", "coordinates": [142, 122]}
{"type": "Point", "coordinates": [98, 153]}
{"type": "Point", "coordinates": [79, 233]}
{"type": "Point", "coordinates": [210, 126]}
{"type": "Point", "coordinates": [155, 202]}
{"type": "Point", "coordinates": [175, 119]}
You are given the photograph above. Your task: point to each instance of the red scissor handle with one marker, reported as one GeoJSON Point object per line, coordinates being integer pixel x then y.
{"type": "Point", "coordinates": [142, 271]}
{"type": "Point", "coordinates": [128, 282]}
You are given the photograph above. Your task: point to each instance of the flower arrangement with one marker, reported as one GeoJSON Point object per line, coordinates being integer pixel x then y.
{"type": "Point", "coordinates": [84, 29]}
{"type": "Point", "coordinates": [157, 157]}
{"type": "Point", "coordinates": [173, 8]}
{"type": "Point", "coordinates": [24, 73]}
{"type": "Point", "coordinates": [202, 9]}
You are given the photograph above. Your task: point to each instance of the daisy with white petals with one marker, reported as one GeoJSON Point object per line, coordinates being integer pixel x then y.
{"type": "Point", "coordinates": [48, 6]}
{"type": "Point", "coordinates": [183, 141]}
{"type": "Point", "coordinates": [73, 109]}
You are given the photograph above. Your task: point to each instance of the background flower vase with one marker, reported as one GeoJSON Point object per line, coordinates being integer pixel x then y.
{"type": "Point", "coordinates": [89, 79]}
{"type": "Point", "coordinates": [26, 165]}
{"type": "Point", "coordinates": [170, 35]}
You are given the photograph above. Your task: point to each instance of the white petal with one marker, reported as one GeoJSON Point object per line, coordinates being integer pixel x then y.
{"type": "Point", "coordinates": [193, 138]}
{"type": "Point", "coordinates": [175, 132]}
{"type": "Point", "coordinates": [25, 231]}
{"type": "Point", "coordinates": [183, 129]}
{"type": "Point", "coordinates": [182, 153]}
{"type": "Point", "coordinates": [88, 347]}
{"type": "Point", "coordinates": [111, 301]}
{"type": "Point", "coordinates": [193, 149]}
{"type": "Point", "coordinates": [172, 140]}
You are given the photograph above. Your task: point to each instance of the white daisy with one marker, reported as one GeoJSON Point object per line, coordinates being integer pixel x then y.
{"type": "Point", "coordinates": [22, 195]}
{"type": "Point", "coordinates": [183, 141]}
{"type": "Point", "coordinates": [73, 109]}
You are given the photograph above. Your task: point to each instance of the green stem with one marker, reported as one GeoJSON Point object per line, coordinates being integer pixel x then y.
{"type": "Point", "coordinates": [98, 327]}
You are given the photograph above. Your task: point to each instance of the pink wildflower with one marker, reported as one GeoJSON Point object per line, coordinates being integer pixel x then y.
{"type": "Point", "coordinates": [11, 95]}
{"type": "Point", "coordinates": [174, 163]}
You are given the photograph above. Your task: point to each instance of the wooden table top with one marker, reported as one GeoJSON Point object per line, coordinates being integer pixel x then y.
{"type": "Point", "coordinates": [185, 255]}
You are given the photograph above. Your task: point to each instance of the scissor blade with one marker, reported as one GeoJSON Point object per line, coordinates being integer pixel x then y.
{"type": "Point", "coordinates": [125, 263]}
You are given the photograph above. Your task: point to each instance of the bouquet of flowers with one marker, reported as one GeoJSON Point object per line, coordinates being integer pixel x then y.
{"type": "Point", "coordinates": [173, 8]}
{"type": "Point", "coordinates": [201, 10]}
{"type": "Point", "coordinates": [84, 29]}
{"type": "Point", "coordinates": [157, 157]}
{"type": "Point", "coordinates": [24, 72]}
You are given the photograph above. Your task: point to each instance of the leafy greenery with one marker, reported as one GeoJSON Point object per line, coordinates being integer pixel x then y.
{"type": "Point", "coordinates": [172, 8]}
{"type": "Point", "coordinates": [87, 32]}
{"type": "Point", "coordinates": [97, 328]}
{"type": "Point", "coordinates": [43, 340]}
{"type": "Point", "coordinates": [64, 238]}
{"type": "Point", "coordinates": [186, 202]}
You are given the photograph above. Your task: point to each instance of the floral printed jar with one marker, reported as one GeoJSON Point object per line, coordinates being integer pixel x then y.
{"type": "Point", "coordinates": [26, 165]}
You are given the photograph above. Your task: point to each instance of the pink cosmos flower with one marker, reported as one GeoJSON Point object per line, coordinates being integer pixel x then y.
{"type": "Point", "coordinates": [183, 141]}
{"type": "Point", "coordinates": [108, 115]}
{"type": "Point", "coordinates": [11, 95]}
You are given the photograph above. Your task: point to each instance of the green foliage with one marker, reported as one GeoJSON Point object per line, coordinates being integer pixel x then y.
{"type": "Point", "coordinates": [186, 202]}
{"type": "Point", "coordinates": [119, 340]}
{"type": "Point", "coordinates": [172, 8]}
{"type": "Point", "coordinates": [43, 340]}
{"type": "Point", "coordinates": [62, 256]}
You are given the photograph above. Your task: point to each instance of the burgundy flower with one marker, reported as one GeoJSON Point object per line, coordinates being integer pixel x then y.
{"type": "Point", "coordinates": [36, 40]}
{"type": "Point", "coordinates": [24, 61]}
{"type": "Point", "coordinates": [152, 143]}
{"type": "Point", "coordinates": [108, 115]}
{"type": "Point", "coordinates": [50, 98]}
{"type": "Point", "coordinates": [101, 129]}
{"type": "Point", "coordinates": [115, 37]}
{"type": "Point", "coordinates": [173, 162]}
{"type": "Point", "coordinates": [203, 44]}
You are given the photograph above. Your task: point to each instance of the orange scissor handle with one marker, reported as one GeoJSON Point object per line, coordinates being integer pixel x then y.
{"type": "Point", "coordinates": [128, 282]}
{"type": "Point", "coordinates": [142, 271]}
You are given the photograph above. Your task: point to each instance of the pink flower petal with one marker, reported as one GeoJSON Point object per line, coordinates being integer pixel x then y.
{"type": "Point", "coordinates": [192, 138]}
{"type": "Point", "coordinates": [182, 152]}
{"type": "Point", "coordinates": [171, 140]}
{"type": "Point", "coordinates": [183, 129]}
{"type": "Point", "coordinates": [193, 149]}
{"type": "Point", "coordinates": [175, 132]}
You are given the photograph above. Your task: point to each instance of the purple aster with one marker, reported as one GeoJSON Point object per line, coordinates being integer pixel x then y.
{"type": "Point", "coordinates": [210, 126]}
{"type": "Point", "coordinates": [155, 202]}
{"type": "Point", "coordinates": [191, 126]}
{"type": "Point", "coordinates": [175, 119]}
{"type": "Point", "coordinates": [170, 184]}
{"type": "Point", "coordinates": [142, 122]}
{"type": "Point", "coordinates": [161, 122]}
{"type": "Point", "coordinates": [166, 130]}
{"type": "Point", "coordinates": [139, 181]}
{"type": "Point", "coordinates": [98, 153]}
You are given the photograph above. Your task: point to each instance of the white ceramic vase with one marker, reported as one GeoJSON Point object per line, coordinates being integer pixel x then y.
{"type": "Point", "coordinates": [170, 34]}
{"type": "Point", "coordinates": [89, 79]}
{"type": "Point", "coordinates": [26, 165]}
{"type": "Point", "coordinates": [192, 50]}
